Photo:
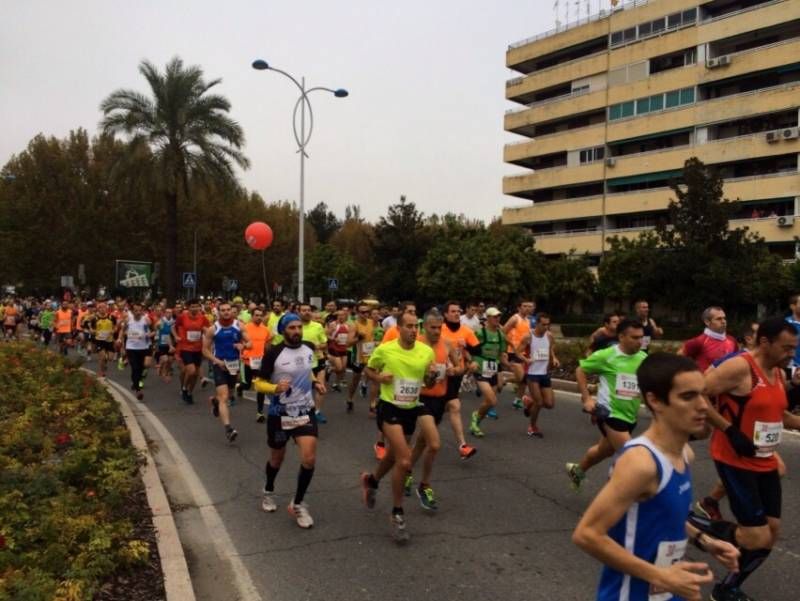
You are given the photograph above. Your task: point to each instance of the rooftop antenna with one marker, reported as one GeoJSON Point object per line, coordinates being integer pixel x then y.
{"type": "Point", "coordinates": [556, 7]}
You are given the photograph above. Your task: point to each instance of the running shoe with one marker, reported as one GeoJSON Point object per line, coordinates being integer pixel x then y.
{"type": "Point", "coordinates": [260, 417]}
{"type": "Point", "coordinates": [189, 398]}
{"type": "Point", "coordinates": [337, 387]}
{"type": "Point", "coordinates": [517, 404]}
{"type": "Point", "coordinates": [231, 401]}
{"type": "Point", "coordinates": [380, 450]}
{"type": "Point", "coordinates": [368, 493]}
{"type": "Point", "coordinates": [230, 433]}
{"type": "Point", "coordinates": [349, 406]}
{"type": "Point", "coordinates": [474, 425]}
{"type": "Point", "coordinates": [214, 406]}
{"type": "Point", "coordinates": [204, 382]}
{"type": "Point", "coordinates": [709, 508]}
{"type": "Point", "coordinates": [268, 503]}
{"type": "Point", "coordinates": [427, 499]}
{"type": "Point", "coordinates": [120, 364]}
{"type": "Point", "coordinates": [534, 431]}
{"type": "Point", "coordinates": [184, 395]}
{"type": "Point", "coordinates": [721, 592]}
{"type": "Point", "coordinates": [141, 383]}
{"type": "Point", "coordinates": [399, 532]}
{"type": "Point", "coordinates": [576, 475]}
{"type": "Point", "coordinates": [492, 413]}
{"type": "Point", "coordinates": [321, 417]}
{"type": "Point", "coordinates": [363, 390]}
{"type": "Point", "coordinates": [465, 451]}
{"type": "Point", "coordinates": [300, 513]}
{"type": "Point", "coordinates": [139, 395]}
{"type": "Point", "coordinates": [408, 484]}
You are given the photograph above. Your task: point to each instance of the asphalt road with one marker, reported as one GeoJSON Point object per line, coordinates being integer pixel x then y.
{"type": "Point", "coordinates": [502, 530]}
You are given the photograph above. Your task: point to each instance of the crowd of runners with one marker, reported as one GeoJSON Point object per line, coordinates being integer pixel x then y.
{"type": "Point", "coordinates": [410, 369]}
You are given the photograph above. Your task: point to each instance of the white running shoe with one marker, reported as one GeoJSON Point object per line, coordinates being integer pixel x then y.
{"type": "Point", "coordinates": [300, 513]}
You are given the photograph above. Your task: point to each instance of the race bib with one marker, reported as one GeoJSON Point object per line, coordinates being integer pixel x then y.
{"type": "Point", "coordinates": [367, 348]}
{"type": "Point", "coordinates": [767, 437]}
{"type": "Point", "coordinates": [193, 336]}
{"type": "Point", "coordinates": [541, 354]}
{"type": "Point", "coordinates": [645, 342]}
{"type": "Point", "coordinates": [489, 369]}
{"type": "Point", "coordinates": [135, 335]}
{"type": "Point", "coordinates": [406, 392]}
{"type": "Point", "coordinates": [232, 366]}
{"type": "Point", "coordinates": [165, 340]}
{"type": "Point", "coordinates": [103, 335]}
{"type": "Point", "coordinates": [290, 423]}
{"type": "Point", "coordinates": [441, 371]}
{"type": "Point", "coordinates": [341, 339]}
{"type": "Point", "coordinates": [669, 552]}
{"type": "Point", "coordinates": [255, 362]}
{"type": "Point", "coordinates": [627, 386]}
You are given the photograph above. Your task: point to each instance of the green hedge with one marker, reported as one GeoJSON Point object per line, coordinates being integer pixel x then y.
{"type": "Point", "coordinates": [67, 469]}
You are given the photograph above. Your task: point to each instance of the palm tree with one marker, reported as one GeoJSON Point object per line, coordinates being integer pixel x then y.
{"type": "Point", "coordinates": [185, 134]}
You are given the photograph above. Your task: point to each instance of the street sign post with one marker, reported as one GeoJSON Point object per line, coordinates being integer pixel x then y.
{"type": "Point", "coordinates": [189, 279]}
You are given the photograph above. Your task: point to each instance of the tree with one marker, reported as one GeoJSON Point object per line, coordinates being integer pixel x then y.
{"type": "Point", "coordinates": [183, 132]}
{"type": "Point", "coordinates": [324, 222]}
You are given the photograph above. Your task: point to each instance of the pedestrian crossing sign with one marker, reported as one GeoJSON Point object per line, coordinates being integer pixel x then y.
{"type": "Point", "coordinates": [189, 279]}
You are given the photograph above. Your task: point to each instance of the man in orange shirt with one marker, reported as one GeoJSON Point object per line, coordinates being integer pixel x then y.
{"type": "Point", "coordinates": [188, 331]}
{"type": "Point", "coordinates": [516, 328]}
{"type": "Point", "coordinates": [64, 325]}
{"type": "Point", "coordinates": [465, 344]}
{"type": "Point", "coordinates": [260, 336]}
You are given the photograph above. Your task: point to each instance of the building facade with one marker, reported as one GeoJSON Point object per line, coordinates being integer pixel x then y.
{"type": "Point", "coordinates": [611, 107]}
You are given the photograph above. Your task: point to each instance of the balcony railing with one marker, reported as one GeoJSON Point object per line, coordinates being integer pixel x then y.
{"type": "Point", "coordinates": [515, 80]}
{"type": "Point", "coordinates": [740, 11]}
{"type": "Point", "coordinates": [573, 94]}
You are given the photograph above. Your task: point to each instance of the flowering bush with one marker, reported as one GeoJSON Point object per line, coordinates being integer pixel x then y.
{"type": "Point", "coordinates": [67, 473]}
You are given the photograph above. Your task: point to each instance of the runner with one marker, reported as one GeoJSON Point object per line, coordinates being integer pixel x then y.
{"type": "Point", "coordinates": [10, 320]}
{"type": "Point", "coordinates": [340, 336]}
{"type": "Point", "coordinates": [364, 345]}
{"type": "Point", "coordinates": [515, 329]}
{"type": "Point", "coordinates": [616, 408]}
{"type": "Point", "coordinates": [46, 320]}
{"type": "Point", "coordinates": [222, 345]}
{"type": "Point", "coordinates": [286, 374]}
{"type": "Point", "coordinates": [542, 348]}
{"type": "Point", "coordinates": [651, 330]}
{"type": "Point", "coordinates": [165, 346]}
{"type": "Point", "coordinates": [188, 333]}
{"type": "Point", "coordinates": [470, 318]}
{"type": "Point", "coordinates": [636, 526]}
{"type": "Point", "coordinates": [606, 335]}
{"type": "Point", "coordinates": [277, 312]}
{"type": "Point", "coordinates": [259, 336]}
{"type": "Point", "coordinates": [401, 367]}
{"type": "Point", "coordinates": [752, 410]}
{"type": "Point", "coordinates": [713, 343]}
{"type": "Point", "coordinates": [493, 344]}
{"type": "Point", "coordinates": [465, 345]}
{"type": "Point", "coordinates": [136, 334]}
{"type": "Point", "coordinates": [64, 326]}
{"type": "Point", "coordinates": [314, 333]}
{"type": "Point", "coordinates": [102, 328]}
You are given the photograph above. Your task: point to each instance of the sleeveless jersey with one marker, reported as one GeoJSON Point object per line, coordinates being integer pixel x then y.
{"type": "Point", "coordinates": [63, 321]}
{"type": "Point", "coordinates": [224, 339]}
{"type": "Point", "coordinates": [540, 355]}
{"type": "Point", "coordinates": [648, 335]}
{"type": "Point", "coordinates": [104, 328]}
{"type": "Point", "coordinates": [759, 416]}
{"type": "Point", "coordinates": [136, 334]}
{"type": "Point", "coordinates": [653, 530]}
{"type": "Point", "coordinates": [338, 340]}
{"type": "Point", "coordinates": [165, 332]}
{"type": "Point", "coordinates": [366, 342]}
{"type": "Point", "coordinates": [517, 333]}
{"type": "Point", "coordinates": [492, 345]}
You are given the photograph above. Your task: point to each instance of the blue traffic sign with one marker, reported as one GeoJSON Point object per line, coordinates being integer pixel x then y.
{"type": "Point", "coordinates": [189, 279]}
{"type": "Point", "coordinates": [333, 284]}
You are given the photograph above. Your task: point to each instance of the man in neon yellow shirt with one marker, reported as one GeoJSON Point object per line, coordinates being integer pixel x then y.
{"type": "Point", "coordinates": [274, 317]}
{"type": "Point", "coordinates": [402, 367]}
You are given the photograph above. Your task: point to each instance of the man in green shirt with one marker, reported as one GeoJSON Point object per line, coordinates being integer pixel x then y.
{"type": "Point", "coordinates": [46, 318]}
{"type": "Point", "coordinates": [401, 367]}
{"type": "Point", "coordinates": [616, 408]}
{"type": "Point", "coordinates": [272, 322]}
{"type": "Point", "coordinates": [484, 366]}
{"type": "Point", "coordinates": [314, 333]}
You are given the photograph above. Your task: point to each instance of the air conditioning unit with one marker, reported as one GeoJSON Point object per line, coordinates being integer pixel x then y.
{"type": "Point", "coordinates": [773, 136]}
{"type": "Point", "coordinates": [712, 63]}
{"type": "Point", "coordinates": [790, 133]}
{"type": "Point", "coordinates": [723, 60]}
{"type": "Point", "coordinates": [611, 161]}
{"type": "Point", "coordinates": [785, 221]}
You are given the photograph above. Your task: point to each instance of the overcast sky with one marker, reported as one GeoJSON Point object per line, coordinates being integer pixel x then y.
{"type": "Point", "coordinates": [426, 80]}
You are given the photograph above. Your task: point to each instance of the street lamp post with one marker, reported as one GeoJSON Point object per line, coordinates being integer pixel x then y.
{"type": "Point", "coordinates": [302, 138]}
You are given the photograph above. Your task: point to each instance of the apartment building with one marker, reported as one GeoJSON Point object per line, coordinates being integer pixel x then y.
{"type": "Point", "coordinates": [611, 107]}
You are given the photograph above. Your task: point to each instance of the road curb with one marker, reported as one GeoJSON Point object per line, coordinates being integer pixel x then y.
{"type": "Point", "coordinates": [177, 582]}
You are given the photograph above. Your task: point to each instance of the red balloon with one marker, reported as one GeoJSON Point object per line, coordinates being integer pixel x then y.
{"type": "Point", "coordinates": [258, 235]}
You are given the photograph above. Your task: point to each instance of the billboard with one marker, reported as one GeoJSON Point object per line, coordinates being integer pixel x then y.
{"type": "Point", "coordinates": [134, 274]}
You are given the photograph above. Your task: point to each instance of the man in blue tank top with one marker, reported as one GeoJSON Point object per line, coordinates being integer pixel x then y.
{"type": "Point", "coordinates": [222, 344]}
{"type": "Point", "coordinates": [637, 523]}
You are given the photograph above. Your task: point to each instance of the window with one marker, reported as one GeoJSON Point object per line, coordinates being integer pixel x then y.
{"type": "Point", "coordinates": [656, 102]}
{"type": "Point", "coordinates": [584, 89]}
{"type": "Point", "coordinates": [627, 108]}
{"type": "Point", "coordinates": [673, 20]}
{"type": "Point", "coordinates": [642, 106]}
{"type": "Point", "coordinates": [616, 38]}
{"type": "Point", "coordinates": [673, 99]}
{"type": "Point", "coordinates": [687, 95]}
{"type": "Point", "coordinates": [689, 16]}
{"type": "Point", "coordinates": [629, 35]}
{"type": "Point", "coordinates": [645, 29]}
{"type": "Point", "coordinates": [591, 155]}
{"type": "Point", "coordinates": [614, 112]}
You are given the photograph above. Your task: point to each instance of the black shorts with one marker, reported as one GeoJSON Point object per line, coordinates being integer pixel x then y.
{"type": "Point", "coordinates": [161, 351]}
{"type": "Point", "coordinates": [490, 381]}
{"type": "Point", "coordinates": [753, 496]}
{"type": "Point", "coordinates": [357, 368]}
{"type": "Point", "coordinates": [454, 386]}
{"type": "Point", "coordinates": [320, 367]}
{"type": "Point", "coordinates": [434, 406]}
{"type": "Point", "coordinates": [191, 357]}
{"type": "Point", "coordinates": [391, 414]}
{"type": "Point", "coordinates": [513, 358]}
{"type": "Point", "coordinates": [616, 424]}
{"type": "Point", "coordinates": [104, 345]}
{"type": "Point", "coordinates": [334, 353]}
{"type": "Point", "coordinates": [277, 437]}
{"type": "Point", "coordinates": [222, 377]}
{"type": "Point", "coordinates": [543, 380]}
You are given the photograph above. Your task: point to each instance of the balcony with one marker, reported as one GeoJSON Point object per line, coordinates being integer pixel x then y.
{"type": "Point", "coordinates": [563, 242]}
{"type": "Point", "coordinates": [583, 137]}
{"type": "Point", "coordinates": [545, 111]}
{"type": "Point", "coordinates": [554, 210]}
{"type": "Point", "coordinates": [757, 17]}
{"type": "Point", "coordinates": [768, 228]}
{"type": "Point", "coordinates": [553, 178]}
{"type": "Point", "coordinates": [521, 89]}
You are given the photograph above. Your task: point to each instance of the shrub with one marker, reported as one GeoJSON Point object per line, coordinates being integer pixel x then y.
{"type": "Point", "coordinates": [67, 472]}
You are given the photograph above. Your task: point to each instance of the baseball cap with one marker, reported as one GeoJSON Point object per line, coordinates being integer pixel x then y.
{"type": "Point", "coordinates": [492, 312]}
